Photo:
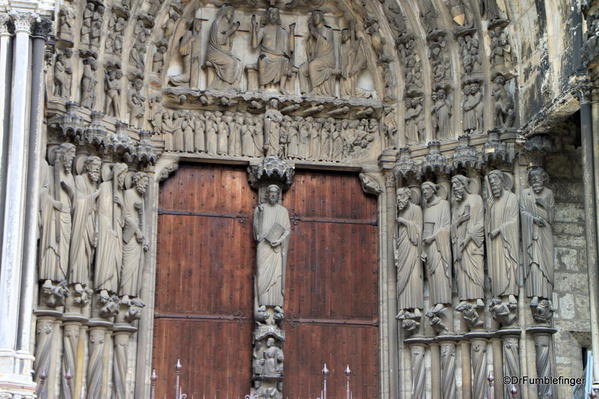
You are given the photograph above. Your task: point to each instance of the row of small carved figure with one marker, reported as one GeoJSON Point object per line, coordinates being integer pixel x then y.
{"type": "Point", "coordinates": [244, 134]}
{"type": "Point", "coordinates": [450, 238]}
{"type": "Point", "coordinates": [92, 230]}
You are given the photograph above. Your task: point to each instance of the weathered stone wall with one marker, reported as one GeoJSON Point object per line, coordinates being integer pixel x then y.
{"type": "Point", "coordinates": [571, 294]}
{"type": "Point", "coordinates": [547, 33]}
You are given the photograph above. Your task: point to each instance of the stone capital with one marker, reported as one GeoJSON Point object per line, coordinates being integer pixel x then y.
{"type": "Point", "coordinates": [23, 21]}
{"type": "Point", "coordinates": [42, 28]}
{"type": "Point", "coordinates": [4, 25]}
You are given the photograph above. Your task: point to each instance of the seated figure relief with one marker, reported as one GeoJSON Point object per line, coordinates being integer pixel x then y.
{"type": "Point", "coordinates": [255, 50]}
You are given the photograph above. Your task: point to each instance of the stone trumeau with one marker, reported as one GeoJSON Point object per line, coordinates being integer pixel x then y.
{"type": "Point", "coordinates": [469, 125]}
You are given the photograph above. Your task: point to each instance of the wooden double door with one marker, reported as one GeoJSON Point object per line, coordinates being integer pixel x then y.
{"type": "Point", "coordinates": [204, 292]}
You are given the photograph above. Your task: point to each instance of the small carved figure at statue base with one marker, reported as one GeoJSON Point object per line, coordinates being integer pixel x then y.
{"type": "Point", "coordinates": [438, 319]}
{"type": "Point", "coordinates": [107, 305]}
{"type": "Point", "coordinates": [410, 319]}
{"type": "Point", "coordinates": [542, 311]}
{"type": "Point", "coordinates": [54, 294]}
{"type": "Point", "coordinates": [506, 314]}
{"type": "Point", "coordinates": [470, 313]}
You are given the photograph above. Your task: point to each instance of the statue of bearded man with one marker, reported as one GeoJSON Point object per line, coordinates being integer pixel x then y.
{"type": "Point", "coordinates": [467, 237]}
{"type": "Point", "coordinates": [271, 230]}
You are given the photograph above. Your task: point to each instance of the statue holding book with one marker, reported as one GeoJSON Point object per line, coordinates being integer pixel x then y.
{"type": "Point", "coordinates": [271, 230]}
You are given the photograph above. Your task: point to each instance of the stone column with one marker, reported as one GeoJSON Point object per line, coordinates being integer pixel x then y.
{"type": "Point", "coordinates": [448, 365]}
{"type": "Point", "coordinates": [544, 360]}
{"type": "Point", "coordinates": [418, 347]}
{"type": "Point", "coordinates": [15, 366]}
{"type": "Point", "coordinates": [39, 36]}
{"type": "Point", "coordinates": [5, 72]}
{"type": "Point", "coordinates": [390, 387]}
{"type": "Point", "coordinates": [478, 362]}
{"type": "Point", "coordinates": [511, 359]}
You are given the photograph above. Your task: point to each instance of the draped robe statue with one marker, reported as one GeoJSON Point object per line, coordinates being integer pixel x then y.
{"type": "Point", "coordinates": [502, 236]}
{"type": "Point", "coordinates": [467, 237]}
{"type": "Point", "coordinates": [55, 215]}
{"type": "Point", "coordinates": [276, 47]}
{"type": "Point", "coordinates": [227, 67]}
{"type": "Point", "coordinates": [84, 228]}
{"type": "Point", "coordinates": [109, 253]}
{"type": "Point", "coordinates": [187, 49]}
{"type": "Point", "coordinates": [437, 249]}
{"type": "Point", "coordinates": [353, 61]}
{"type": "Point", "coordinates": [537, 209]}
{"type": "Point", "coordinates": [407, 251]}
{"type": "Point", "coordinates": [133, 236]}
{"type": "Point", "coordinates": [321, 63]}
{"type": "Point", "coordinates": [271, 230]}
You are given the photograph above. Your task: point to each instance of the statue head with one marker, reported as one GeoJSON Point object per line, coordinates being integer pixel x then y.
{"type": "Point", "coordinates": [403, 197]}
{"type": "Point", "coordinates": [92, 168]}
{"type": "Point", "coordinates": [273, 193]}
{"type": "Point", "coordinates": [499, 80]}
{"type": "Point", "coordinates": [141, 181]}
{"type": "Point", "coordinates": [270, 342]}
{"type": "Point", "coordinates": [273, 16]}
{"type": "Point", "coordinates": [345, 35]}
{"type": "Point", "coordinates": [316, 18]}
{"type": "Point", "coordinates": [119, 172]}
{"type": "Point", "coordinates": [459, 187]}
{"type": "Point", "coordinates": [226, 12]}
{"type": "Point", "coordinates": [66, 155]}
{"type": "Point", "coordinates": [496, 182]}
{"type": "Point", "coordinates": [429, 189]}
{"type": "Point", "coordinates": [537, 178]}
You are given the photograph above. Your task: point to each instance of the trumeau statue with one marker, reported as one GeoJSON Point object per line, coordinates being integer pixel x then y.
{"type": "Point", "coordinates": [537, 209]}
{"type": "Point", "coordinates": [467, 237]}
{"type": "Point", "coordinates": [436, 240]}
{"type": "Point", "coordinates": [84, 229]}
{"type": "Point", "coordinates": [407, 251]}
{"type": "Point", "coordinates": [276, 46]}
{"type": "Point", "coordinates": [55, 214]}
{"type": "Point", "coordinates": [135, 243]}
{"type": "Point", "coordinates": [109, 253]}
{"type": "Point", "coordinates": [271, 230]}
{"type": "Point", "coordinates": [502, 230]}
{"type": "Point", "coordinates": [319, 70]}
{"type": "Point", "coordinates": [227, 67]}
{"type": "Point", "coordinates": [187, 45]}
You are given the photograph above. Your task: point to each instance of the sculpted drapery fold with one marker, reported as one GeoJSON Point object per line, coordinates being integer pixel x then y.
{"type": "Point", "coordinates": [537, 209]}
{"type": "Point", "coordinates": [467, 236]}
{"type": "Point", "coordinates": [271, 230]}
{"type": "Point", "coordinates": [407, 252]}
{"type": "Point", "coordinates": [503, 243]}
{"type": "Point", "coordinates": [228, 67]}
{"type": "Point", "coordinates": [437, 248]}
